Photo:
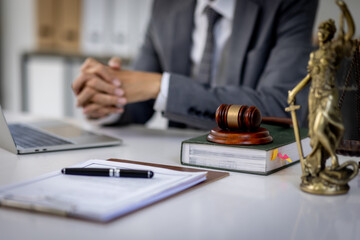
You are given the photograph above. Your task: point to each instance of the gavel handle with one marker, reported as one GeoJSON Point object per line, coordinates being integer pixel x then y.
{"type": "Point", "coordinates": [285, 122]}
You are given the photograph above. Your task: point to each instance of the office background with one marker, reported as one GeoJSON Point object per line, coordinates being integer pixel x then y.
{"type": "Point", "coordinates": [24, 69]}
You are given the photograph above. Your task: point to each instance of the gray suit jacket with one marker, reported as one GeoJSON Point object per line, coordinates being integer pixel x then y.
{"type": "Point", "coordinates": [268, 53]}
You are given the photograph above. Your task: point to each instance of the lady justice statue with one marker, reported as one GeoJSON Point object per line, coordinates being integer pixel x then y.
{"type": "Point", "coordinates": [325, 123]}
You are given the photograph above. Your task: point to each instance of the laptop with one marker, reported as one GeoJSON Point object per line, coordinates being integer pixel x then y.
{"type": "Point", "coordinates": [46, 136]}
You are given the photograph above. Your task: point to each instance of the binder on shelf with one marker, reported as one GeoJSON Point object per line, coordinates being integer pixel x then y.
{"type": "Point", "coordinates": [120, 30]}
{"type": "Point", "coordinates": [46, 24]}
{"type": "Point", "coordinates": [68, 27]}
{"type": "Point", "coordinates": [94, 27]}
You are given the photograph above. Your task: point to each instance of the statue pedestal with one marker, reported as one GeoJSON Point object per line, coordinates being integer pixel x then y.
{"type": "Point", "coordinates": [330, 181]}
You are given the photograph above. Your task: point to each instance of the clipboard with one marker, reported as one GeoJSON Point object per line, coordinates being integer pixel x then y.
{"type": "Point", "coordinates": [40, 203]}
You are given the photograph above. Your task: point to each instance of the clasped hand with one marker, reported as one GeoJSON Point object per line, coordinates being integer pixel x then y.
{"type": "Point", "coordinates": [102, 90]}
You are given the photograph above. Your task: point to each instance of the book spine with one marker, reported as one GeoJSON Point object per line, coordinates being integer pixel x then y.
{"type": "Point", "coordinates": [230, 159]}
{"type": "Point", "coordinates": [217, 158]}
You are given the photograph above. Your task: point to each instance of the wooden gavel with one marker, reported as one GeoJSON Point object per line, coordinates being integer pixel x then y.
{"type": "Point", "coordinates": [244, 118]}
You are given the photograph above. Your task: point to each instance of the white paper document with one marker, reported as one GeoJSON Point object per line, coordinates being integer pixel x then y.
{"type": "Point", "coordinates": [97, 198]}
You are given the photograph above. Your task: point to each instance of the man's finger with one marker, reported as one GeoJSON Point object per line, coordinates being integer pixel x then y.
{"type": "Point", "coordinates": [94, 110]}
{"type": "Point", "coordinates": [115, 63]}
{"type": "Point", "coordinates": [109, 110]}
{"type": "Point", "coordinates": [108, 100]}
{"type": "Point", "coordinates": [79, 83]}
{"type": "Point", "coordinates": [83, 80]}
{"type": "Point", "coordinates": [85, 95]}
{"type": "Point", "coordinates": [91, 66]}
{"type": "Point", "coordinates": [89, 62]}
{"type": "Point", "coordinates": [102, 71]}
{"type": "Point", "coordinates": [102, 86]}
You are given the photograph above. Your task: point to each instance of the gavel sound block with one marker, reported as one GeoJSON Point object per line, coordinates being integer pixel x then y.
{"type": "Point", "coordinates": [239, 125]}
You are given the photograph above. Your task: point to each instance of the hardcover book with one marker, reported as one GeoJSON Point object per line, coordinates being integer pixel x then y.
{"type": "Point", "coordinates": [261, 159]}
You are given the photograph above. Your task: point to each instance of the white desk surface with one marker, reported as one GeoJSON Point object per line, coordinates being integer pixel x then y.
{"type": "Point", "coordinates": [240, 206]}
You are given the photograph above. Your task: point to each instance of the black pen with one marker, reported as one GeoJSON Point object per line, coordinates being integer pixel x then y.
{"type": "Point", "coordinates": [108, 172]}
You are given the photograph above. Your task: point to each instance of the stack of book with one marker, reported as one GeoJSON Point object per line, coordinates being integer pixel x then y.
{"type": "Point", "coordinates": [261, 159]}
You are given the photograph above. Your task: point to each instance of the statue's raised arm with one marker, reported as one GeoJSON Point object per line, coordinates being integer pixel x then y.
{"type": "Point", "coordinates": [345, 13]}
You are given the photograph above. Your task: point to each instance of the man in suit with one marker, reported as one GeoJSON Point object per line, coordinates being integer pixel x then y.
{"type": "Point", "coordinates": [259, 51]}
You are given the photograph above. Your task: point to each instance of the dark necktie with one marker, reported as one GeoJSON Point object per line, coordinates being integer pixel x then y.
{"type": "Point", "coordinates": [205, 68]}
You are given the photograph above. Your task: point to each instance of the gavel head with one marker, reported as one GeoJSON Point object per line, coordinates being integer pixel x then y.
{"type": "Point", "coordinates": [238, 117]}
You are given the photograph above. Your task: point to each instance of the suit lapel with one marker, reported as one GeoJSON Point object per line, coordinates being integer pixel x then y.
{"type": "Point", "coordinates": [246, 13]}
{"type": "Point", "coordinates": [182, 37]}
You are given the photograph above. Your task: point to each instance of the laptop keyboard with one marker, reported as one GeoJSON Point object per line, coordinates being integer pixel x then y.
{"type": "Point", "coordinates": [27, 137]}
